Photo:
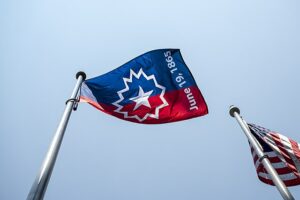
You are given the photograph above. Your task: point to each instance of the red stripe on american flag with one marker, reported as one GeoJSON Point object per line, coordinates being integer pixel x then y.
{"type": "Point", "coordinates": [288, 183]}
{"type": "Point", "coordinates": [274, 159]}
{"type": "Point", "coordinates": [295, 148]}
{"type": "Point", "coordinates": [280, 171]}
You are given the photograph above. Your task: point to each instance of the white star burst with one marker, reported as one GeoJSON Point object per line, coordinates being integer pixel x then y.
{"type": "Point", "coordinates": [142, 98]}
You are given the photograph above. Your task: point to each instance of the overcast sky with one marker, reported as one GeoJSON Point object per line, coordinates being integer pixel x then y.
{"type": "Point", "coordinates": [245, 53]}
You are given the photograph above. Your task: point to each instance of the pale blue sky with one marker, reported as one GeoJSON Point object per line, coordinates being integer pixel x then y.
{"type": "Point", "coordinates": [240, 52]}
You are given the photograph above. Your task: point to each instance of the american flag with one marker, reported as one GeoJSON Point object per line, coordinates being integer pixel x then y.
{"type": "Point", "coordinates": [283, 153]}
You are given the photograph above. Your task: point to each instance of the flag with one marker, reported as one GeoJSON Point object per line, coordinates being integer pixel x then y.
{"type": "Point", "coordinates": [283, 153]}
{"type": "Point", "coordinates": [156, 87]}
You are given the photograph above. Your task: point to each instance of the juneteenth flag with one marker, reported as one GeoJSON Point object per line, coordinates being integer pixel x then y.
{"type": "Point", "coordinates": [156, 87]}
{"type": "Point", "coordinates": [283, 153]}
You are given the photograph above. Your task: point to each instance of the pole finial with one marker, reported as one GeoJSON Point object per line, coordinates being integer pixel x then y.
{"type": "Point", "coordinates": [233, 109]}
{"type": "Point", "coordinates": [81, 73]}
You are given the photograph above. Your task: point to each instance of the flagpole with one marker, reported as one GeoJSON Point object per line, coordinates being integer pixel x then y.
{"type": "Point", "coordinates": [283, 190]}
{"type": "Point", "coordinates": [39, 186]}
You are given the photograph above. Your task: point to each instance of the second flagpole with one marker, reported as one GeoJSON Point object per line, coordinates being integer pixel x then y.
{"type": "Point", "coordinates": [283, 190]}
{"type": "Point", "coordinates": [39, 186]}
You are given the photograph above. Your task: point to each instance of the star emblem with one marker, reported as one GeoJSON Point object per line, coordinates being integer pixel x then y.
{"type": "Point", "coordinates": [142, 99]}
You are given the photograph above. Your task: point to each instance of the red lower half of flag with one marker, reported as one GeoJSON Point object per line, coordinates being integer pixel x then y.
{"type": "Point", "coordinates": [169, 107]}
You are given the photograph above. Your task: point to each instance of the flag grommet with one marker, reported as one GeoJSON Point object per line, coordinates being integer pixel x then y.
{"type": "Point", "coordinates": [72, 99]}
{"type": "Point", "coordinates": [263, 157]}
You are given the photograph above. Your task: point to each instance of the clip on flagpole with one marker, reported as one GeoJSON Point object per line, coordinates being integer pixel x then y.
{"type": "Point", "coordinates": [39, 186]}
{"type": "Point", "coordinates": [283, 190]}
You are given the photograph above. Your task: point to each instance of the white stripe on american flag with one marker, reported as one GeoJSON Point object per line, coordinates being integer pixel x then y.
{"type": "Point", "coordinates": [284, 177]}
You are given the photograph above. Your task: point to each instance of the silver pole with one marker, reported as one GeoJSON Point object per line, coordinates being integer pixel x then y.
{"type": "Point", "coordinates": [39, 186]}
{"type": "Point", "coordinates": [285, 193]}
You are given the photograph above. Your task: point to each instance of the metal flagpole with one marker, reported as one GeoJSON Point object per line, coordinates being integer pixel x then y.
{"type": "Point", "coordinates": [39, 186]}
{"type": "Point", "coordinates": [285, 193]}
